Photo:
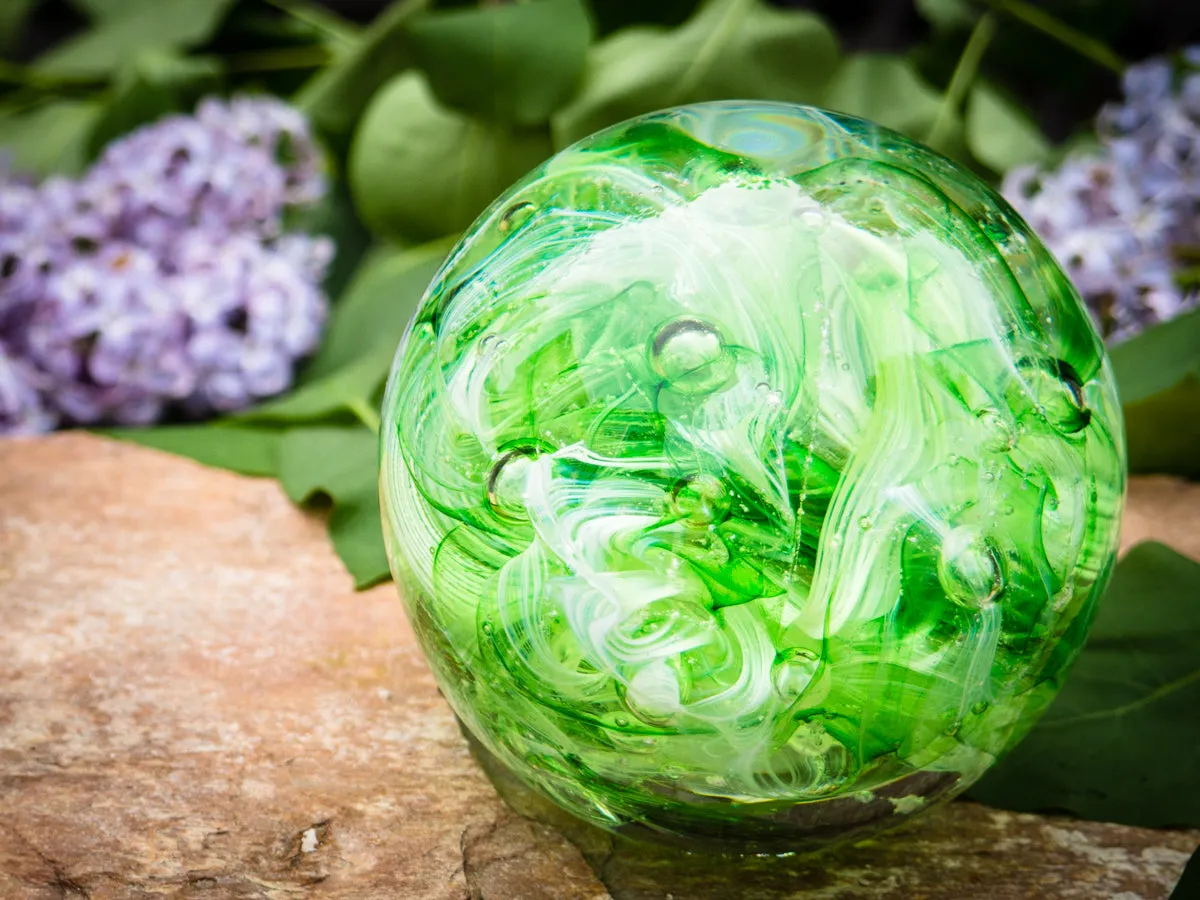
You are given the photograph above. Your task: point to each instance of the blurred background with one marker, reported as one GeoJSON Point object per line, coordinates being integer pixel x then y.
{"type": "Point", "coordinates": [217, 216]}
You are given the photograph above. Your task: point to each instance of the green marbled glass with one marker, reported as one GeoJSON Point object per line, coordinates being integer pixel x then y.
{"type": "Point", "coordinates": [750, 474]}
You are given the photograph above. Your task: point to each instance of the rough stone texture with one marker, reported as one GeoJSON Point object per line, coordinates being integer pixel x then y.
{"type": "Point", "coordinates": [194, 704]}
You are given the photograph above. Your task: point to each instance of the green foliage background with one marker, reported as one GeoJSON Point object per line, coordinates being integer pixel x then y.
{"type": "Point", "coordinates": [431, 110]}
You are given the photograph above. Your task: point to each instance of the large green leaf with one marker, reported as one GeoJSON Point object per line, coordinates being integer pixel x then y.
{"type": "Point", "coordinates": [104, 48]}
{"type": "Point", "coordinates": [51, 139]}
{"type": "Point", "coordinates": [730, 49]}
{"type": "Point", "coordinates": [999, 134]}
{"type": "Point", "coordinates": [1121, 743]}
{"type": "Point", "coordinates": [377, 304]}
{"type": "Point", "coordinates": [1158, 380]}
{"type": "Point", "coordinates": [250, 451]}
{"type": "Point", "coordinates": [336, 97]}
{"type": "Point", "coordinates": [418, 170]}
{"type": "Point", "coordinates": [154, 84]}
{"type": "Point", "coordinates": [342, 466]}
{"type": "Point", "coordinates": [885, 89]}
{"type": "Point", "coordinates": [512, 63]}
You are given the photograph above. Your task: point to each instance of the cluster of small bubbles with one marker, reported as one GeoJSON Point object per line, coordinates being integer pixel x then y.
{"type": "Point", "coordinates": [1001, 431]}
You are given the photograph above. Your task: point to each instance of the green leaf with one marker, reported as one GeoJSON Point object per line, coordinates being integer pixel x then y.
{"type": "Point", "coordinates": [947, 15]}
{"type": "Point", "coordinates": [418, 170]}
{"type": "Point", "coordinates": [730, 49]}
{"type": "Point", "coordinates": [154, 84]}
{"type": "Point", "coordinates": [1158, 381]}
{"type": "Point", "coordinates": [885, 89]}
{"type": "Point", "coordinates": [512, 63]}
{"type": "Point", "coordinates": [377, 304]}
{"type": "Point", "coordinates": [138, 26]}
{"type": "Point", "coordinates": [342, 466]}
{"type": "Point", "coordinates": [1189, 885]}
{"type": "Point", "coordinates": [1121, 743]}
{"type": "Point", "coordinates": [335, 98]}
{"type": "Point", "coordinates": [999, 134]}
{"type": "Point", "coordinates": [250, 451]}
{"type": "Point", "coordinates": [51, 139]}
{"type": "Point", "coordinates": [348, 391]}
{"type": "Point", "coordinates": [344, 378]}
{"type": "Point", "coordinates": [106, 9]}
{"type": "Point", "coordinates": [13, 15]}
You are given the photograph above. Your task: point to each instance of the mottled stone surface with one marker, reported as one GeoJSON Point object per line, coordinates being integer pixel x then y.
{"type": "Point", "coordinates": [193, 703]}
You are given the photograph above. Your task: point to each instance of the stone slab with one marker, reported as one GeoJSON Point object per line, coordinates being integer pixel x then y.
{"type": "Point", "coordinates": [194, 703]}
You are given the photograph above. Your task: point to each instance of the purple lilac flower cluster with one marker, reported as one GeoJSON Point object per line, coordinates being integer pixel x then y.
{"type": "Point", "coordinates": [163, 279]}
{"type": "Point", "coordinates": [1124, 217]}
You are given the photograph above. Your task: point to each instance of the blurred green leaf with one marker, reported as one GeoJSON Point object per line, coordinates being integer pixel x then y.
{"type": "Point", "coordinates": [1158, 381]}
{"type": "Point", "coordinates": [1121, 743]}
{"type": "Point", "coordinates": [154, 84]}
{"type": "Point", "coordinates": [885, 89]}
{"type": "Point", "coordinates": [730, 49]}
{"type": "Point", "coordinates": [13, 15]}
{"type": "Point", "coordinates": [948, 15]}
{"type": "Point", "coordinates": [138, 26]}
{"type": "Point", "coordinates": [335, 98]}
{"type": "Point", "coordinates": [250, 451]}
{"type": "Point", "coordinates": [341, 465]}
{"type": "Point", "coordinates": [504, 63]}
{"type": "Point", "coordinates": [377, 304]}
{"type": "Point", "coordinates": [347, 391]}
{"type": "Point", "coordinates": [999, 134]}
{"type": "Point", "coordinates": [51, 139]}
{"type": "Point", "coordinates": [418, 170]}
{"type": "Point", "coordinates": [106, 9]}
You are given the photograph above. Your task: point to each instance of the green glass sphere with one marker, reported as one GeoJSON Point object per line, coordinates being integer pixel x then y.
{"type": "Point", "coordinates": [750, 475]}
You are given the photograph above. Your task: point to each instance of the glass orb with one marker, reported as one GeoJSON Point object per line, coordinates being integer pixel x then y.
{"type": "Point", "coordinates": [750, 474]}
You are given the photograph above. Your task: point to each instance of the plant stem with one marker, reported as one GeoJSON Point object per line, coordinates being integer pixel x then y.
{"type": "Point", "coordinates": [365, 413]}
{"type": "Point", "coordinates": [1081, 43]}
{"type": "Point", "coordinates": [964, 75]}
{"type": "Point", "coordinates": [319, 19]}
{"type": "Point", "coordinates": [310, 57]}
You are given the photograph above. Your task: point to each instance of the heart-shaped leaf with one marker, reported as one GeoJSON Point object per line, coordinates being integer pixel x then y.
{"type": "Point", "coordinates": [335, 97]}
{"type": "Point", "coordinates": [730, 49]}
{"type": "Point", "coordinates": [419, 170]}
{"type": "Point", "coordinates": [1121, 743]}
{"type": "Point", "coordinates": [1158, 381]}
{"type": "Point", "coordinates": [342, 465]}
{"type": "Point", "coordinates": [135, 27]}
{"type": "Point", "coordinates": [509, 63]}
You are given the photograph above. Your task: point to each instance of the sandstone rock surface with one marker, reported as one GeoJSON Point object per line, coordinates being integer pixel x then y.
{"type": "Point", "coordinates": [193, 703]}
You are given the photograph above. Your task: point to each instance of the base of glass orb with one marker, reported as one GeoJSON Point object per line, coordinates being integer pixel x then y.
{"type": "Point", "coordinates": [692, 822]}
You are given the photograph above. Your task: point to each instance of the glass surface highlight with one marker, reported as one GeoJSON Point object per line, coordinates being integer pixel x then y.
{"type": "Point", "coordinates": [750, 475]}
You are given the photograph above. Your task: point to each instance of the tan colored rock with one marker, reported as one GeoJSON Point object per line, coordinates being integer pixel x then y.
{"type": "Point", "coordinates": [1159, 508]}
{"type": "Point", "coordinates": [193, 703]}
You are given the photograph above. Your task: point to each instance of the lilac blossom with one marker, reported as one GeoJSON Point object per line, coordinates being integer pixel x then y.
{"type": "Point", "coordinates": [1122, 217]}
{"type": "Point", "coordinates": [163, 281]}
